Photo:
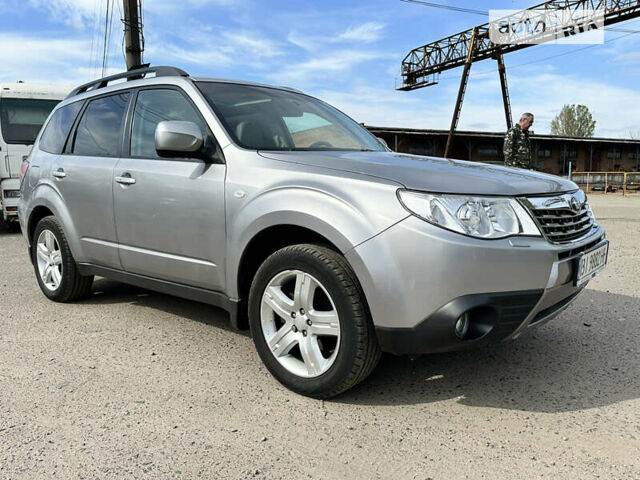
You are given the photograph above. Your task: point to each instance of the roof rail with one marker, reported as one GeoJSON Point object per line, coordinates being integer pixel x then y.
{"type": "Point", "coordinates": [160, 71]}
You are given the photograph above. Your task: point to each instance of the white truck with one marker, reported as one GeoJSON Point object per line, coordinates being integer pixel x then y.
{"type": "Point", "coordinates": [23, 109]}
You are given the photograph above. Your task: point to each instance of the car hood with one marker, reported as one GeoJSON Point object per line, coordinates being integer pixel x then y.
{"type": "Point", "coordinates": [433, 174]}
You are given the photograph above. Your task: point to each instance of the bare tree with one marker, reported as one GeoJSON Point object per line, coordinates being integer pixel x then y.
{"type": "Point", "coordinates": [573, 121]}
{"type": "Point", "coordinates": [633, 134]}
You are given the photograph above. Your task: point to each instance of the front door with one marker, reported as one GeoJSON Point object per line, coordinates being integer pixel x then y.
{"type": "Point", "coordinates": [169, 211]}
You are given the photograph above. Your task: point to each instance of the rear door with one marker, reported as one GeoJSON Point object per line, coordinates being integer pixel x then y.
{"type": "Point", "coordinates": [83, 175]}
{"type": "Point", "coordinates": [169, 211]}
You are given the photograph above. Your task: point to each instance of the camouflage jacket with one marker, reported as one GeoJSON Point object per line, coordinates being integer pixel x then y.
{"type": "Point", "coordinates": [517, 148]}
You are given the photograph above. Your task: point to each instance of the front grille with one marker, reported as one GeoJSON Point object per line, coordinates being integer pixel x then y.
{"type": "Point", "coordinates": [562, 218]}
{"type": "Point", "coordinates": [575, 251]}
{"type": "Point", "coordinates": [564, 225]}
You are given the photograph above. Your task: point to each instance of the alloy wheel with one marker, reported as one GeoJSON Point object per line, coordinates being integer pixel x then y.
{"type": "Point", "coordinates": [49, 259]}
{"type": "Point", "coordinates": [300, 323]}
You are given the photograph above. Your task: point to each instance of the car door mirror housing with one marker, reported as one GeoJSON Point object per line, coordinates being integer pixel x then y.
{"type": "Point", "coordinates": [178, 138]}
{"type": "Point", "coordinates": [383, 142]}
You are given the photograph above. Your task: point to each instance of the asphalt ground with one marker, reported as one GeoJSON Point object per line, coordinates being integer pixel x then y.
{"type": "Point", "coordinates": [132, 384]}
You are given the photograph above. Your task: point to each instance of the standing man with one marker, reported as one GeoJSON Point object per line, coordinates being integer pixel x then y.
{"type": "Point", "coordinates": [517, 146]}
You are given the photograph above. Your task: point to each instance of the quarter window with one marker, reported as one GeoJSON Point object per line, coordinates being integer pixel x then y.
{"type": "Point", "coordinates": [99, 130]}
{"type": "Point", "coordinates": [155, 106]}
{"type": "Point", "coordinates": [56, 131]}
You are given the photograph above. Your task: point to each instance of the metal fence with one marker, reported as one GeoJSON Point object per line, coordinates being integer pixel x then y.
{"type": "Point", "coordinates": [608, 182]}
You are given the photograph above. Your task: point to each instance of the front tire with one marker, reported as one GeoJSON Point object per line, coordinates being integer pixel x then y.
{"type": "Point", "coordinates": [55, 267]}
{"type": "Point", "coordinates": [310, 322]}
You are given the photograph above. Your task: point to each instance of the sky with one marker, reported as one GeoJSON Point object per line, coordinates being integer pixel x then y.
{"type": "Point", "coordinates": [347, 53]}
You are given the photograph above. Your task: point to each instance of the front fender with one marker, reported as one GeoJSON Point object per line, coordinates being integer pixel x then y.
{"type": "Point", "coordinates": [345, 222]}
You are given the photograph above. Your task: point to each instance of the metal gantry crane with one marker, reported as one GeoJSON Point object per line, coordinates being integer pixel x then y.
{"type": "Point", "coordinates": [422, 64]}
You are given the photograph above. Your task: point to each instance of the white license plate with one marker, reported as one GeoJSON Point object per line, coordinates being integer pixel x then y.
{"type": "Point", "coordinates": [591, 262]}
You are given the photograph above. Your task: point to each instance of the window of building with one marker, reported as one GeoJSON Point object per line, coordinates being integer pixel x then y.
{"type": "Point", "coordinates": [544, 153]}
{"type": "Point", "coordinates": [422, 150]}
{"type": "Point", "coordinates": [487, 151]}
{"type": "Point", "coordinates": [613, 155]}
{"type": "Point", "coordinates": [99, 130]}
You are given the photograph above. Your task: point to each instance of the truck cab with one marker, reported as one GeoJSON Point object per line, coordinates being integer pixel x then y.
{"type": "Point", "coordinates": [23, 109]}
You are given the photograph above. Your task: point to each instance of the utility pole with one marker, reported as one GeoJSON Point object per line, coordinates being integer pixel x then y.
{"type": "Point", "coordinates": [133, 34]}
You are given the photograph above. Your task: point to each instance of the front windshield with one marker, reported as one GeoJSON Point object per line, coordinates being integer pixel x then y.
{"type": "Point", "coordinates": [263, 118]}
{"type": "Point", "coordinates": [22, 118]}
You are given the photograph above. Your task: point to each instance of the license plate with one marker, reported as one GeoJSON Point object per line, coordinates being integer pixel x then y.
{"type": "Point", "coordinates": [590, 263]}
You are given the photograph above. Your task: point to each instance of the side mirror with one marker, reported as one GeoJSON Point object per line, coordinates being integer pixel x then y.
{"type": "Point", "coordinates": [383, 142]}
{"type": "Point", "coordinates": [178, 137]}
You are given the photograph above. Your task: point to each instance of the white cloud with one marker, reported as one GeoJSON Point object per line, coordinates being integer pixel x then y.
{"type": "Point", "coordinates": [213, 47]}
{"type": "Point", "coordinates": [367, 32]}
{"type": "Point", "coordinates": [76, 13]}
{"type": "Point", "coordinates": [163, 7]}
{"type": "Point", "coordinates": [40, 59]}
{"type": "Point", "coordinates": [628, 57]}
{"type": "Point", "coordinates": [249, 43]}
{"type": "Point", "coordinates": [335, 65]}
{"type": "Point", "coordinates": [306, 42]}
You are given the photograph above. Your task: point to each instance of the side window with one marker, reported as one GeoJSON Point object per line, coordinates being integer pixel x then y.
{"type": "Point", "coordinates": [155, 106]}
{"type": "Point", "coordinates": [100, 128]}
{"type": "Point", "coordinates": [56, 131]}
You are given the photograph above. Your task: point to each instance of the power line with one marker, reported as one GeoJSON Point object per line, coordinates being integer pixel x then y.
{"type": "Point", "coordinates": [104, 45]}
{"type": "Point", "coordinates": [624, 30]}
{"type": "Point", "coordinates": [93, 33]}
{"type": "Point", "coordinates": [141, 28]}
{"type": "Point", "coordinates": [95, 55]}
{"type": "Point", "coordinates": [486, 13]}
{"type": "Point", "coordinates": [447, 7]}
{"type": "Point", "coordinates": [124, 55]}
{"type": "Point", "coordinates": [110, 33]}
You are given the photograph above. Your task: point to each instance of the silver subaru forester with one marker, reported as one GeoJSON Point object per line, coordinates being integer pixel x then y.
{"type": "Point", "coordinates": [306, 228]}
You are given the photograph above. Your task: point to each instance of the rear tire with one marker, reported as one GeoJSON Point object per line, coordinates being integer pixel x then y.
{"type": "Point", "coordinates": [320, 343]}
{"type": "Point", "coordinates": [55, 267]}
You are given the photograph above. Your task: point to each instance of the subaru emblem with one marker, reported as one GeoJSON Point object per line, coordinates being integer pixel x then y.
{"type": "Point", "coordinates": [574, 203]}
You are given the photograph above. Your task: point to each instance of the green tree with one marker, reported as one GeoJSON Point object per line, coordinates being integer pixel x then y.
{"type": "Point", "coordinates": [574, 121]}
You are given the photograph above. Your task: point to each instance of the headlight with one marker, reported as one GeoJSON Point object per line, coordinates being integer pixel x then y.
{"type": "Point", "coordinates": [12, 194]}
{"type": "Point", "coordinates": [482, 217]}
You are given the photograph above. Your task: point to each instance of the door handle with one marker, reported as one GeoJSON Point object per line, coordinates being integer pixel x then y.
{"type": "Point", "coordinates": [126, 179]}
{"type": "Point", "coordinates": [59, 173]}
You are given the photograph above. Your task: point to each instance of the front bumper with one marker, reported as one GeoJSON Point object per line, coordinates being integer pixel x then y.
{"type": "Point", "coordinates": [419, 279]}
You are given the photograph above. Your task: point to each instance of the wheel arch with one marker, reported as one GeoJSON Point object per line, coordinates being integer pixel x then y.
{"type": "Point", "coordinates": [264, 243]}
{"type": "Point", "coordinates": [46, 201]}
{"type": "Point", "coordinates": [37, 214]}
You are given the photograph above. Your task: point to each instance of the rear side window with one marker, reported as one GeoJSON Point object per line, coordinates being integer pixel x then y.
{"type": "Point", "coordinates": [100, 128]}
{"type": "Point", "coordinates": [56, 131]}
{"type": "Point", "coordinates": [155, 106]}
